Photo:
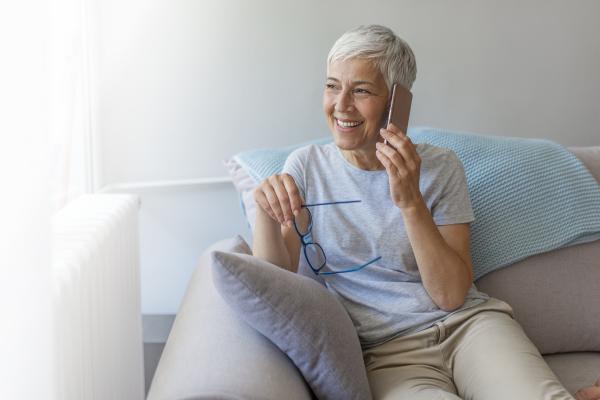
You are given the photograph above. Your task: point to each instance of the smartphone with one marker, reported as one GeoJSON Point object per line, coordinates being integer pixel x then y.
{"type": "Point", "coordinates": [399, 109]}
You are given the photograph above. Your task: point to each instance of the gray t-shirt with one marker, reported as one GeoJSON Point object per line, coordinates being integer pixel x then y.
{"type": "Point", "coordinates": [387, 298]}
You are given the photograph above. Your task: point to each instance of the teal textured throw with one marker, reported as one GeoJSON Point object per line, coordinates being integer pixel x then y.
{"type": "Point", "coordinates": [529, 196]}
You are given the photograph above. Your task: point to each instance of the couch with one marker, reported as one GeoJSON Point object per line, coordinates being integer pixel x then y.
{"type": "Point", "coordinates": [211, 354]}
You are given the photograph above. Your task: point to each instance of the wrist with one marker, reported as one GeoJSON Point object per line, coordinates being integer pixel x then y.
{"type": "Point", "coordinates": [264, 217]}
{"type": "Point", "coordinates": [416, 210]}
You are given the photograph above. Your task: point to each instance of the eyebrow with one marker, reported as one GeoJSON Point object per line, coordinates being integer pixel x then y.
{"type": "Point", "coordinates": [354, 82]}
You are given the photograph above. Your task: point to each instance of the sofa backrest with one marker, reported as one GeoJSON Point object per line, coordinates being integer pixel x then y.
{"type": "Point", "coordinates": [555, 295]}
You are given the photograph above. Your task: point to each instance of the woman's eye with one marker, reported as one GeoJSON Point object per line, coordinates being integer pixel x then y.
{"type": "Point", "coordinates": [330, 86]}
{"type": "Point", "coordinates": [362, 91]}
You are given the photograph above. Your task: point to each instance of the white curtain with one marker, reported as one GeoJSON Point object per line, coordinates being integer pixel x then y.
{"type": "Point", "coordinates": [71, 102]}
{"type": "Point", "coordinates": [44, 162]}
{"type": "Point", "coordinates": [25, 275]}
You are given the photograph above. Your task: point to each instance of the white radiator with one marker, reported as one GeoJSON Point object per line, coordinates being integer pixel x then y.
{"type": "Point", "coordinates": [98, 323]}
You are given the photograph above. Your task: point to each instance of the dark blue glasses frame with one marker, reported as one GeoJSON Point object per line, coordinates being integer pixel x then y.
{"type": "Point", "coordinates": [306, 243]}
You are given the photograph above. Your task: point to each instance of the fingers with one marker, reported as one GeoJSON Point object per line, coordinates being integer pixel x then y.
{"type": "Point", "coordinates": [293, 194]}
{"type": "Point", "coordinates": [261, 198]}
{"type": "Point", "coordinates": [402, 146]}
{"type": "Point", "coordinates": [395, 136]}
{"type": "Point", "coordinates": [279, 196]}
{"type": "Point", "coordinates": [392, 160]}
{"type": "Point", "coordinates": [387, 163]}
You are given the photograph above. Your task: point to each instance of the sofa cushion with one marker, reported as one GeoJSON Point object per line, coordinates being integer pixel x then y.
{"type": "Point", "coordinates": [555, 297]}
{"type": "Point", "coordinates": [210, 350]}
{"type": "Point", "coordinates": [590, 157]}
{"type": "Point", "coordinates": [301, 317]}
{"type": "Point", "coordinates": [575, 370]}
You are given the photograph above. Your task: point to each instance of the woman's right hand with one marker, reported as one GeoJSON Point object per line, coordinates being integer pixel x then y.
{"type": "Point", "coordinates": [279, 197]}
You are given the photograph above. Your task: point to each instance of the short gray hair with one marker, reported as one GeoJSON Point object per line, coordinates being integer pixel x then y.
{"type": "Point", "coordinates": [392, 55]}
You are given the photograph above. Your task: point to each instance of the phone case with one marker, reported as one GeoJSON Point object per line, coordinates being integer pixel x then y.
{"type": "Point", "coordinates": [399, 110]}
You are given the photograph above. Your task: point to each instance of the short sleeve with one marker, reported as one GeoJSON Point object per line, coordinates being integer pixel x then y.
{"type": "Point", "coordinates": [294, 165]}
{"type": "Point", "coordinates": [454, 204]}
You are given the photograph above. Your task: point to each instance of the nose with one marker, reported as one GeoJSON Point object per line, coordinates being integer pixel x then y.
{"type": "Point", "coordinates": [344, 101]}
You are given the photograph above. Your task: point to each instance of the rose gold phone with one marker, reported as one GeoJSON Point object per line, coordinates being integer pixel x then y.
{"type": "Point", "coordinates": [399, 111]}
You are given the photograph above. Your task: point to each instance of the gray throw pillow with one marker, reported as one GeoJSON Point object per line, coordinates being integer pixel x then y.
{"type": "Point", "coordinates": [300, 317]}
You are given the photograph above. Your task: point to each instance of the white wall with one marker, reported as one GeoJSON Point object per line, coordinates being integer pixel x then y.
{"type": "Point", "coordinates": [181, 85]}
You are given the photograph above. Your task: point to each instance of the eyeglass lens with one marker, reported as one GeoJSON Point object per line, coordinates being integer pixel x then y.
{"type": "Point", "coordinates": [302, 226]}
{"type": "Point", "coordinates": [315, 255]}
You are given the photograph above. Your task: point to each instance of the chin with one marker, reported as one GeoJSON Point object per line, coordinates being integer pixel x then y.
{"type": "Point", "coordinates": [349, 142]}
{"type": "Point", "coordinates": [344, 143]}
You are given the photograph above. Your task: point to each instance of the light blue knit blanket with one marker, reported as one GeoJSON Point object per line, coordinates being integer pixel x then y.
{"type": "Point", "coordinates": [529, 196]}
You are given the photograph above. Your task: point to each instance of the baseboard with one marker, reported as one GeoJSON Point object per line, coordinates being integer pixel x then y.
{"type": "Point", "coordinates": [156, 327]}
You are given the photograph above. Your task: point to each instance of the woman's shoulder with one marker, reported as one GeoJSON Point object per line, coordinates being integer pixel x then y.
{"type": "Point", "coordinates": [313, 150]}
{"type": "Point", "coordinates": [436, 156]}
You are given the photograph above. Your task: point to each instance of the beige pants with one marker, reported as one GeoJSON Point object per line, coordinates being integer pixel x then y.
{"type": "Point", "coordinates": [480, 353]}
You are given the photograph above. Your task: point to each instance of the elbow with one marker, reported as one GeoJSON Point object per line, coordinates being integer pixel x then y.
{"type": "Point", "coordinates": [454, 299]}
{"type": "Point", "coordinates": [452, 303]}
{"type": "Point", "coordinates": [451, 306]}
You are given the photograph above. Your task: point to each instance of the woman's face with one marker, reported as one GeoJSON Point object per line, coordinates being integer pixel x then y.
{"type": "Point", "coordinates": [354, 101]}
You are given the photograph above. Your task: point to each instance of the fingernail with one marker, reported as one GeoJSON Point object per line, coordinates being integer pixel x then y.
{"type": "Point", "coordinates": [296, 212]}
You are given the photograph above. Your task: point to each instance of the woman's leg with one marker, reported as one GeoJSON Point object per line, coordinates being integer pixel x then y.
{"type": "Point", "coordinates": [409, 367]}
{"type": "Point", "coordinates": [492, 358]}
{"type": "Point", "coordinates": [414, 382]}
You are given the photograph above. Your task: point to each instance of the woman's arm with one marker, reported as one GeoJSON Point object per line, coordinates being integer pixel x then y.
{"type": "Point", "coordinates": [443, 257]}
{"type": "Point", "coordinates": [442, 253]}
{"type": "Point", "coordinates": [275, 239]}
{"type": "Point", "coordinates": [280, 245]}
{"type": "Point", "coordinates": [268, 243]}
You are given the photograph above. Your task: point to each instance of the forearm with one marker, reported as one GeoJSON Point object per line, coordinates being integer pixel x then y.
{"type": "Point", "coordinates": [444, 274]}
{"type": "Point", "coordinates": [268, 243]}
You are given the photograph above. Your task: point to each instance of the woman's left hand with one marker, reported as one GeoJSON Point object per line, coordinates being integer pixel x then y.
{"type": "Point", "coordinates": [403, 166]}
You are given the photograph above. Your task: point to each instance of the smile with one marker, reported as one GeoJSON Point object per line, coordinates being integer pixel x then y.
{"type": "Point", "coordinates": [348, 124]}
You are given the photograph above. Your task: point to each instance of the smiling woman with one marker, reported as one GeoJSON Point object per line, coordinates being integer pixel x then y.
{"type": "Point", "coordinates": [425, 330]}
{"type": "Point", "coordinates": [354, 102]}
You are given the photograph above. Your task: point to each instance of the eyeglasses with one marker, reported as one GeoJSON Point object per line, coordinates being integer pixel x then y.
{"type": "Point", "coordinates": [314, 253]}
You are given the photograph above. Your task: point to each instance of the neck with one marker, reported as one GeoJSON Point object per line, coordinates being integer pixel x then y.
{"type": "Point", "coordinates": [363, 159]}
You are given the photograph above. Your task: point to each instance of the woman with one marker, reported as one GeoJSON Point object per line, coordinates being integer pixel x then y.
{"type": "Point", "coordinates": [392, 221]}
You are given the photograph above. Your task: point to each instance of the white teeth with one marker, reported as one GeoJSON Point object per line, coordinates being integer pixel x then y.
{"type": "Point", "coordinates": [348, 124]}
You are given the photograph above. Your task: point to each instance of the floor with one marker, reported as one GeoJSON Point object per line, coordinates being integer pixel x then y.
{"type": "Point", "coordinates": [152, 352]}
{"type": "Point", "coordinates": [156, 330]}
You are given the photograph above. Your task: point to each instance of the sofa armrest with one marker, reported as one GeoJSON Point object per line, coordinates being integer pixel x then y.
{"type": "Point", "coordinates": [212, 354]}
